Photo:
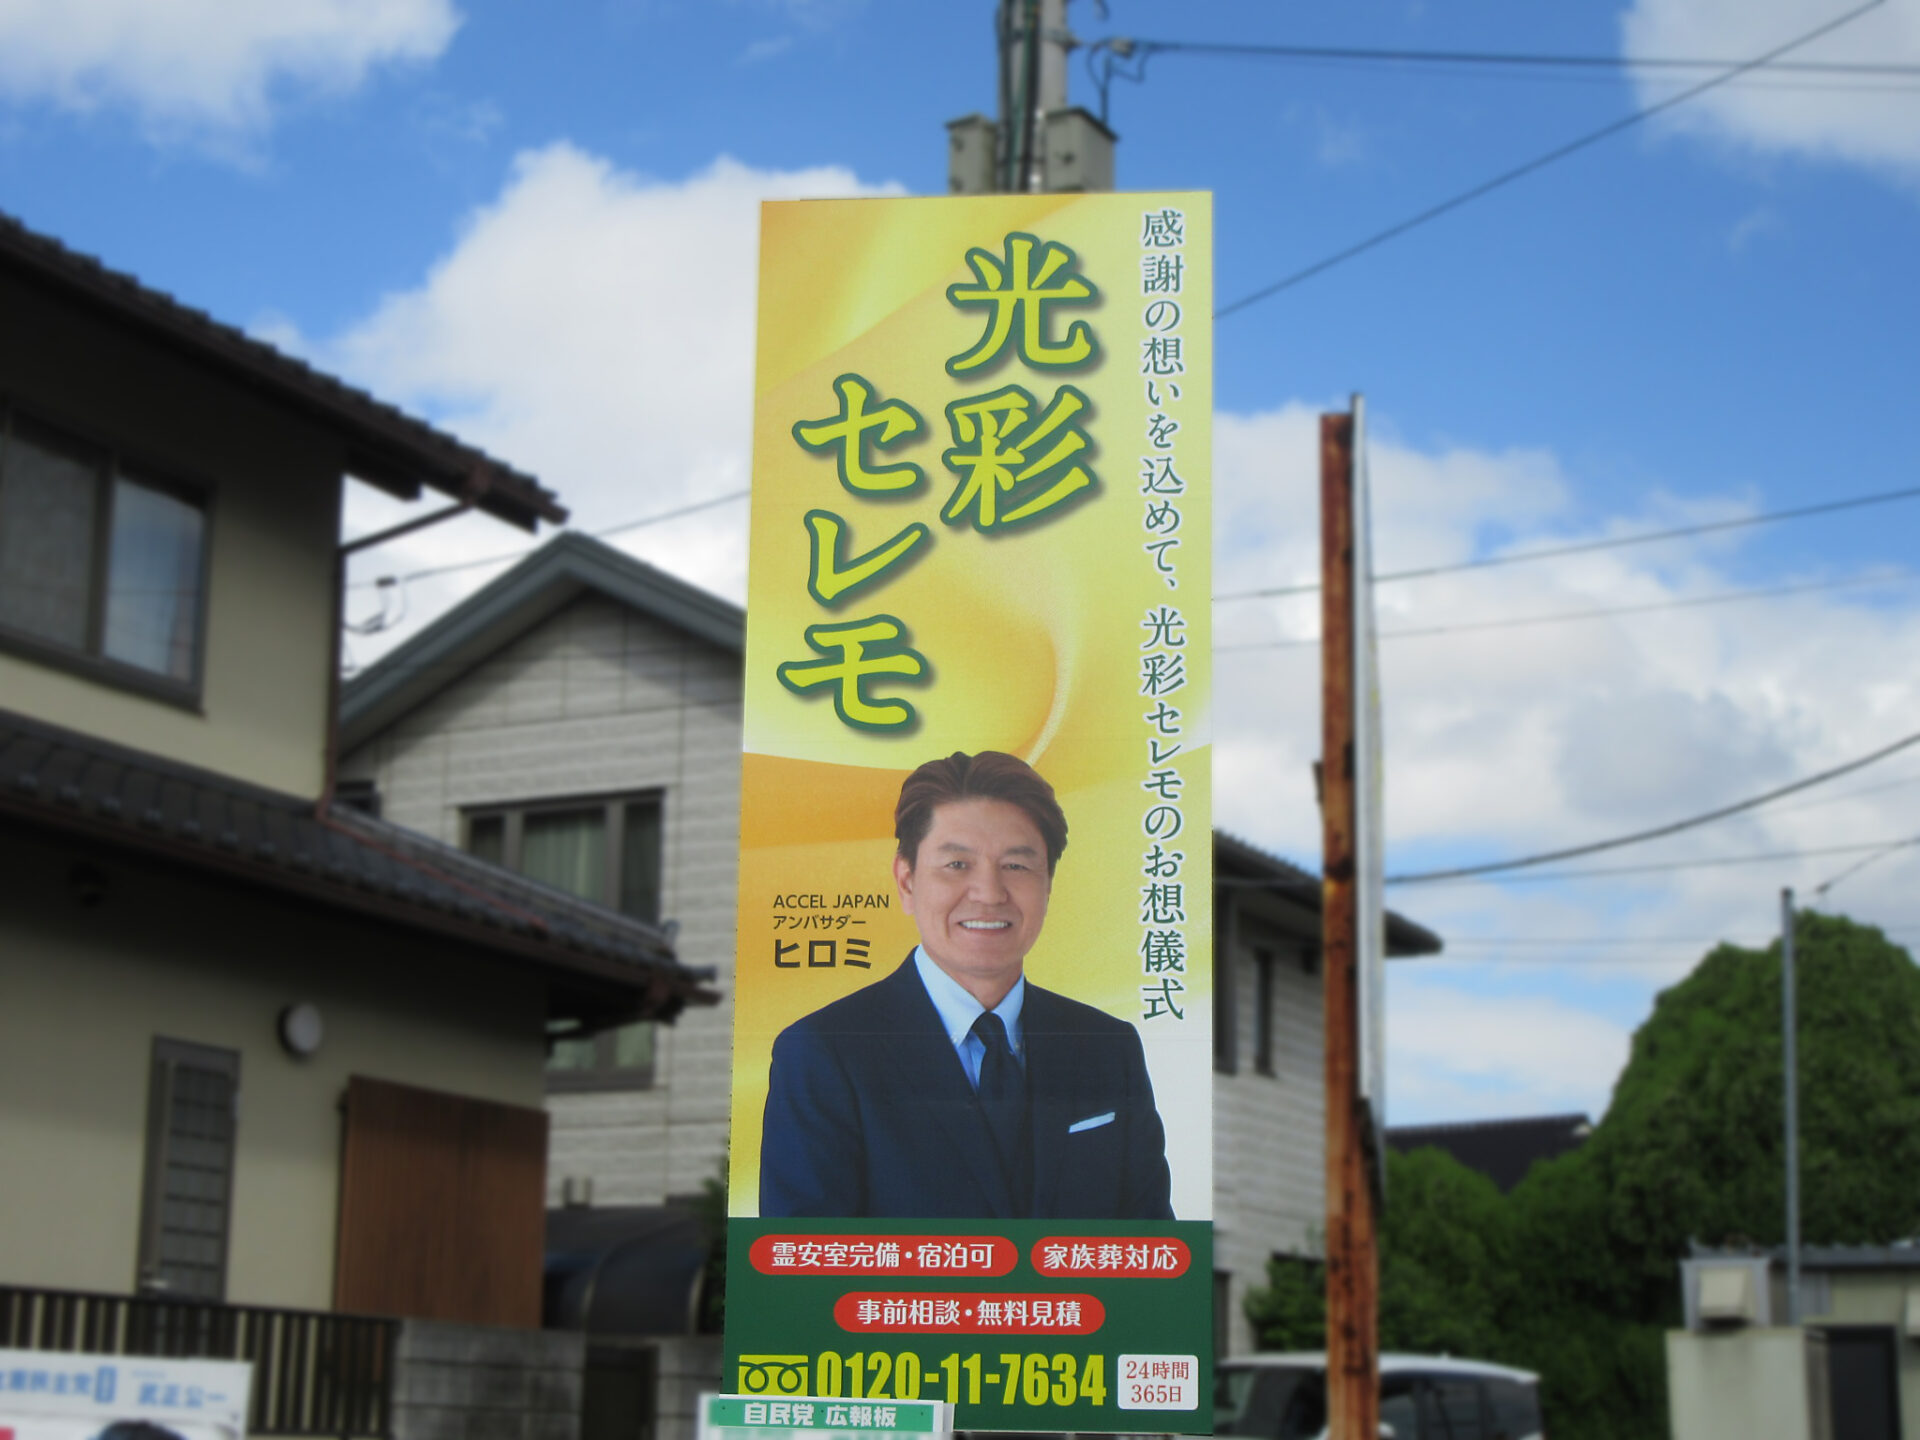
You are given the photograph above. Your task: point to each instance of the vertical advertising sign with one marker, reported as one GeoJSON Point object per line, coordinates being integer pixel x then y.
{"type": "Point", "coordinates": [972, 1083]}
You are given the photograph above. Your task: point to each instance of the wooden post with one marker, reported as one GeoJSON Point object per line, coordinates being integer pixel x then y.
{"type": "Point", "coordinates": [1353, 1360]}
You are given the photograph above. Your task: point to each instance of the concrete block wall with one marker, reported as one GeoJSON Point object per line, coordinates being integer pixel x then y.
{"type": "Point", "coordinates": [482, 1382]}
{"type": "Point", "coordinates": [688, 1367]}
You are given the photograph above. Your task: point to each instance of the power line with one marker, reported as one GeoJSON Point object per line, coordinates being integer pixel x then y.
{"type": "Point", "coordinates": [1660, 831]}
{"type": "Point", "coordinates": [1517, 622]}
{"type": "Point", "coordinates": [1847, 795]}
{"type": "Point", "coordinates": [1477, 875]}
{"type": "Point", "coordinates": [727, 499]}
{"type": "Point", "coordinates": [1575, 940]}
{"type": "Point", "coordinates": [1499, 58]}
{"type": "Point", "coordinates": [1582, 547]}
{"type": "Point", "coordinates": [1539, 162]}
{"type": "Point", "coordinates": [1450, 957]}
{"type": "Point", "coordinates": [1820, 890]}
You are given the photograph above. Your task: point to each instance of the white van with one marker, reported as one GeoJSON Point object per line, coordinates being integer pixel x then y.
{"type": "Point", "coordinates": [1422, 1397]}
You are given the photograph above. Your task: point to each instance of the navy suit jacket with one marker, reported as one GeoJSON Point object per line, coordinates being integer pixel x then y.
{"type": "Point", "coordinates": [870, 1113]}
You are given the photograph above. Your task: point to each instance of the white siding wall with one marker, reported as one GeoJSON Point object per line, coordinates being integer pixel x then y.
{"type": "Point", "coordinates": [600, 699]}
{"type": "Point", "coordinates": [1269, 1130]}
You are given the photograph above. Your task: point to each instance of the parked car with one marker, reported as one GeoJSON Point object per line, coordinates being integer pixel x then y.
{"type": "Point", "coordinates": [1422, 1397]}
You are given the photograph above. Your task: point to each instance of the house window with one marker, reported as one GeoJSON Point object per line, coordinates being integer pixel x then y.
{"type": "Point", "coordinates": [100, 562]}
{"type": "Point", "coordinates": [1226, 1049]}
{"type": "Point", "coordinates": [192, 1104]}
{"type": "Point", "coordinates": [1263, 1011]}
{"type": "Point", "coordinates": [606, 851]}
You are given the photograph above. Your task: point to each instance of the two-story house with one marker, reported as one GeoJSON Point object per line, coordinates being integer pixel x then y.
{"type": "Point", "coordinates": [263, 1059]}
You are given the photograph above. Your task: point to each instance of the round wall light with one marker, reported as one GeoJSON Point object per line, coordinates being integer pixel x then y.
{"type": "Point", "coordinates": [301, 1029]}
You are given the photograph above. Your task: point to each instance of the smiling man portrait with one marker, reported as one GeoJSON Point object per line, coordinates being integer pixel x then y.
{"type": "Point", "coordinates": [955, 1086]}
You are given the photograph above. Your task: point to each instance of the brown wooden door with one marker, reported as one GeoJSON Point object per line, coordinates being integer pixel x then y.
{"type": "Point", "coordinates": [442, 1206]}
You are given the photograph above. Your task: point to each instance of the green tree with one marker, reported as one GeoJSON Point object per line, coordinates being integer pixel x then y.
{"type": "Point", "coordinates": [1443, 1263]}
{"type": "Point", "coordinates": [1445, 1258]}
{"type": "Point", "coordinates": [1576, 1274]}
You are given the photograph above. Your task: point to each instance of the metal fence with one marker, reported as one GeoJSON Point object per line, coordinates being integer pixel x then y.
{"type": "Point", "coordinates": [314, 1372]}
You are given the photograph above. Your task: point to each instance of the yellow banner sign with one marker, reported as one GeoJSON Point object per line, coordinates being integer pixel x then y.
{"type": "Point", "coordinates": [976, 846]}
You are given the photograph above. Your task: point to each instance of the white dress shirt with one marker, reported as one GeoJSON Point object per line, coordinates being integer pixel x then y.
{"type": "Point", "coordinates": [958, 1010]}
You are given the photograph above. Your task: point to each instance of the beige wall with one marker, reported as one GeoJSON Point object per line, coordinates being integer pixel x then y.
{"type": "Point", "coordinates": [600, 699]}
{"type": "Point", "coordinates": [273, 522]}
{"type": "Point", "coordinates": [1741, 1386]}
{"type": "Point", "coordinates": [86, 990]}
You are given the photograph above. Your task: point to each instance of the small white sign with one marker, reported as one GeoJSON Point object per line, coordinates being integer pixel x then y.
{"type": "Point", "coordinates": [1159, 1382]}
{"type": "Point", "coordinates": [62, 1395]}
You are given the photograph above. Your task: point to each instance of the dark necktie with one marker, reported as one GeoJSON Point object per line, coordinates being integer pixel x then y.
{"type": "Point", "coordinates": [1003, 1098]}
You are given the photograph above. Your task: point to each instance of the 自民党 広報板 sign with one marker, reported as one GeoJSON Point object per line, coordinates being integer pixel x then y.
{"type": "Point", "coordinates": [980, 558]}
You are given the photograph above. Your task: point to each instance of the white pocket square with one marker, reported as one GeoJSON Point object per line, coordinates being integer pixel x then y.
{"type": "Point", "coordinates": [1092, 1122]}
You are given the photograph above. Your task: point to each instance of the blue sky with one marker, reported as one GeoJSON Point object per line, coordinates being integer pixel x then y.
{"type": "Point", "coordinates": [534, 224]}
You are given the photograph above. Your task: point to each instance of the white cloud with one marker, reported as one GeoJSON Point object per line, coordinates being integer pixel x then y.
{"type": "Point", "coordinates": [760, 51]}
{"type": "Point", "coordinates": [1858, 119]}
{"type": "Point", "coordinates": [596, 328]}
{"type": "Point", "coordinates": [1454, 1053]}
{"type": "Point", "coordinates": [1509, 742]}
{"type": "Point", "coordinates": [200, 68]}
{"type": "Point", "coordinates": [1525, 738]}
{"type": "Point", "coordinates": [1750, 227]}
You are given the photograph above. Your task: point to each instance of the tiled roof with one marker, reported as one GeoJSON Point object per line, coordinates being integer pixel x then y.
{"type": "Point", "coordinates": [1501, 1150]}
{"type": "Point", "coordinates": [1236, 861]}
{"type": "Point", "coordinates": [568, 565]}
{"type": "Point", "coordinates": [345, 860]}
{"type": "Point", "coordinates": [391, 449]}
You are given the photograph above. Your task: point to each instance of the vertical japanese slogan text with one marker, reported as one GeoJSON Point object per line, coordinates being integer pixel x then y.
{"type": "Point", "coordinates": [1014, 461]}
{"type": "Point", "coordinates": [1163, 661]}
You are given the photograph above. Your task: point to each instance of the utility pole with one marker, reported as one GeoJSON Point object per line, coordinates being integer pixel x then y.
{"type": "Point", "coordinates": [1038, 143]}
{"type": "Point", "coordinates": [1789, 1024]}
{"type": "Point", "coordinates": [1353, 1266]}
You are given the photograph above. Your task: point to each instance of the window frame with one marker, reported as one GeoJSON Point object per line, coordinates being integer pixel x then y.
{"type": "Point", "coordinates": [1266, 965]}
{"type": "Point", "coordinates": [603, 1074]}
{"type": "Point", "coordinates": [1226, 969]}
{"type": "Point", "coordinates": [168, 1055]}
{"type": "Point", "coordinates": [114, 464]}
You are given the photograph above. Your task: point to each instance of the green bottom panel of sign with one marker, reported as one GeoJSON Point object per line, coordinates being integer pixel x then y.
{"type": "Point", "coordinates": [1032, 1325]}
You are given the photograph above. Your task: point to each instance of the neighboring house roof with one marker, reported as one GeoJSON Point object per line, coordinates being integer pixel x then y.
{"type": "Point", "coordinates": [600, 963]}
{"type": "Point", "coordinates": [386, 447]}
{"type": "Point", "coordinates": [505, 609]}
{"type": "Point", "coordinates": [1502, 1150]}
{"type": "Point", "coordinates": [1236, 863]}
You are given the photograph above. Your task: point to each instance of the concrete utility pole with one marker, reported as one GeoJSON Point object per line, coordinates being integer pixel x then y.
{"type": "Point", "coordinates": [1038, 143]}
{"type": "Point", "coordinates": [1789, 1024]}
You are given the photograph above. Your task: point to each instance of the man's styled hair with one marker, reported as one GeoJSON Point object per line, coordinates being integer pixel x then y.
{"type": "Point", "coordinates": [990, 775]}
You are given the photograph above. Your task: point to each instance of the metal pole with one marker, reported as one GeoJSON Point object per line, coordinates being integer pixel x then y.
{"type": "Point", "coordinates": [1353, 1362]}
{"type": "Point", "coordinates": [1788, 1024]}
